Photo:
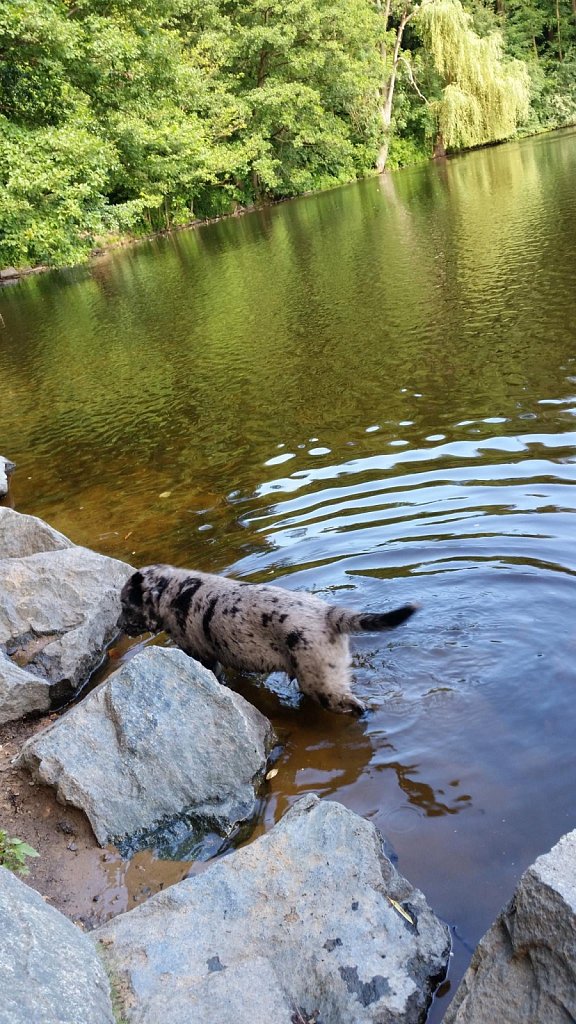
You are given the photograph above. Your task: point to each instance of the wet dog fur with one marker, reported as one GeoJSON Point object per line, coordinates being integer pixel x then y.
{"type": "Point", "coordinates": [253, 628]}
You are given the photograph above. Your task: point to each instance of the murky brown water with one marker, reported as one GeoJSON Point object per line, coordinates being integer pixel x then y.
{"type": "Point", "coordinates": [372, 394]}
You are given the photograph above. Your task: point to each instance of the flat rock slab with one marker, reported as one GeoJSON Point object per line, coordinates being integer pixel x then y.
{"type": "Point", "coordinates": [50, 970]}
{"type": "Point", "coordinates": [524, 969]}
{"type": "Point", "coordinates": [160, 754]}
{"type": "Point", "coordinates": [312, 915]}
{"type": "Point", "coordinates": [59, 605]}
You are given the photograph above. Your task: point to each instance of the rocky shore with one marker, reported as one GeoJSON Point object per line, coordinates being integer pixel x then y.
{"type": "Point", "coordinates": [308, 924]}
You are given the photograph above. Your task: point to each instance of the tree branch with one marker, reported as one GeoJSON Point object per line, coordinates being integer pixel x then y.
{"type": "Point", "coordinates": [413, 81]}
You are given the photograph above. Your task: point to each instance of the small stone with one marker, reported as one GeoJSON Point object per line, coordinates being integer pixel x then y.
{"type": "Point", "coordinates": [65, 827]}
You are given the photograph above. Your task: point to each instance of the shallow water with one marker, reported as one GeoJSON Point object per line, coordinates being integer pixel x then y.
{"type": "Point", "coordinates": [369, 393]}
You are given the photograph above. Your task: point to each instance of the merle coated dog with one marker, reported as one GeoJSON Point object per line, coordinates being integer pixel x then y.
{"type": "Point", "coordinates": [253, 628]}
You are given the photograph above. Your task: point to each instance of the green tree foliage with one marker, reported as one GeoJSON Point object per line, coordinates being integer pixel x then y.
{"type": "Point", "coordinates": [130, 116]}
{"type": "Point", "coordinates": [134, 115]}
{"type": "Point", "coordinates": [543, 32]}
{"type": "Point", "coordinates": [484, 96]}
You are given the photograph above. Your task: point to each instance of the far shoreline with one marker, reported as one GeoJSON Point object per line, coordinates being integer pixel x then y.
{"type": "Point", "coordinates": [13, 275]}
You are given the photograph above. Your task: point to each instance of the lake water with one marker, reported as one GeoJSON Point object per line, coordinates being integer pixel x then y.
{"type": "Point", "coordinates": [369, 393]}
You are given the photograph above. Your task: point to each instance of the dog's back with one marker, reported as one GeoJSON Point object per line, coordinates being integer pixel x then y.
{"type": "Point", "coordinates": [255, 627]}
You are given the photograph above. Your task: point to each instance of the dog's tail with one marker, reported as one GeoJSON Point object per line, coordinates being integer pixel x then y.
{"type": "Point", "coordinates": [343, 620]}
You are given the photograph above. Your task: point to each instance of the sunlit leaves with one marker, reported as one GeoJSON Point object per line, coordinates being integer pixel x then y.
{"type": "Point", "coordinates": [485, 95]}
{"type": "Point", "coordinates": [53, 192]}
{"type": "Point", "coordinates": [133, 115]}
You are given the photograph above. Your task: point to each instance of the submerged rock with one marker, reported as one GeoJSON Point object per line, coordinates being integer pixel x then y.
{"type": "Point", "coordinates": [6, 468]}
{"type": "Point", "coordinates": [160, 754]}
{"type": "Point", "coordinates": [59, 605]}
{"type": "Point", "coordinates": [312, 916]}
{"type": "Point", "coordinates": [50, 970]}
{"type": "Point", "coordinates": [524, 969]}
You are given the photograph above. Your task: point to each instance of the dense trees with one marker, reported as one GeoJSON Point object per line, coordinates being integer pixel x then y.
{"type": "Point", "coordinates": [128, 116]}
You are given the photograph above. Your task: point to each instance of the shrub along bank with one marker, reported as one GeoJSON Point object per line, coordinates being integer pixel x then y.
{"type": "Point", "coordinates": [125, 117]}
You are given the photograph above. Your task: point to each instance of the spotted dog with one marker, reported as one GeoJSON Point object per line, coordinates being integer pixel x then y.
{"type": "Point", "coordinates": [253, 628]}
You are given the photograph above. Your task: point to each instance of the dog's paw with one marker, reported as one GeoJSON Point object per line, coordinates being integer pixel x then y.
{"type": "Point", "coordinates": [350, 705]}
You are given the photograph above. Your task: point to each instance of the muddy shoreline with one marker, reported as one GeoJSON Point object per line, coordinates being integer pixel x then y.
{"type": "Point", "coordinates": [73, 873]}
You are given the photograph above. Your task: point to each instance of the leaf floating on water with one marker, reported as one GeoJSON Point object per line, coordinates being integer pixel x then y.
{"type": "Point", "coordinates": [397, 906]}
{"type": "Point", "coordinates": [272, 773]}
{"type": "Point", "coordinates": [165, 494]}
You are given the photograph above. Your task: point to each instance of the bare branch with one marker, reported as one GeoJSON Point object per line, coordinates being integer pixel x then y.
{"type": "Point", "coordinates": [413, 81]}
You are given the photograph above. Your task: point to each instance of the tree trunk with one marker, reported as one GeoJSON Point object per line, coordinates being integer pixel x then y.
{"type": "Point", "coordinates": [439, 147]}
{"type": "Point", "coordinates": [387, 93]}
{"type": "Point", "coordinates": [560, 54]}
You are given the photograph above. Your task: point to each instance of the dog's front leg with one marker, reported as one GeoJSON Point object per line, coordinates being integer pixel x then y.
{"type": "Point", "coordinates": [210, 663]}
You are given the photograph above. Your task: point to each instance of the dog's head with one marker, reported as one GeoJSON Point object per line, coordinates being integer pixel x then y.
{"type": "Point", "coordinates": [139, 599]}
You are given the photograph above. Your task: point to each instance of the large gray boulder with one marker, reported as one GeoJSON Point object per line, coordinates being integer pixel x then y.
{"type": "Point", "coordinates": [312, 916]}
{"type": "Point", "coordinates": [59, 605]}
{"type": "Point", "coordinates": [6, 468]}
{"type": "Point", "coordinates": [22, 535]}
{"type": "Point", "coordinates": [159, 754]}
{"type": "Point", "coordinates": [524, 969]}
{"type": "Point", "coordinates": [50, 970]}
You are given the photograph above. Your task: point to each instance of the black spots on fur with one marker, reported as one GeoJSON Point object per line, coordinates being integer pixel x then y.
{"type": "Point", "coordinates": [235, 610]}
{"type": "Point", "coordinates": [266, 619]}
{"type": "Point", "coordinates": [331, 944]}
{"type": "Point", "coordinates": [335, 620]}
{"type": "Point", "coordinates": [183, 600]}
{"type": "Point", "coordinates": [207, 618]}
{"type": "Point", "coordinates": [282, 618]}
{"type": "Point", "coordinates": [324, 701]}
{"type": "Point", "coordinates": [155, 592]}
{"type": "Point", "coordinates": [275, 600]}
{"type": "Point", "coordinates": [295, 639]}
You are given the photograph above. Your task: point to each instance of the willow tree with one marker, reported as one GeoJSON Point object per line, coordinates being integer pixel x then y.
{"type": "Point", "coordinates": [484, 95]}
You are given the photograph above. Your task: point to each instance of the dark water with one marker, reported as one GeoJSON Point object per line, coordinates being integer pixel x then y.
{"type": "Point", "coordinates": [372, 394]}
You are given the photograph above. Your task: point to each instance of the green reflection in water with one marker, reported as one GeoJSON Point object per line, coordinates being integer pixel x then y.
{"type": "Point", "coordinates": [371, 391]}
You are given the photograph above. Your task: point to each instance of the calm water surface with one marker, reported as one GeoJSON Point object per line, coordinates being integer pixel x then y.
{"type": "Point", "coordinates": [371, 394]}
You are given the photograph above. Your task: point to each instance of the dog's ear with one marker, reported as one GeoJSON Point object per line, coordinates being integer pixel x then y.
{"type": "Point", "coordinates": [132, 592]}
